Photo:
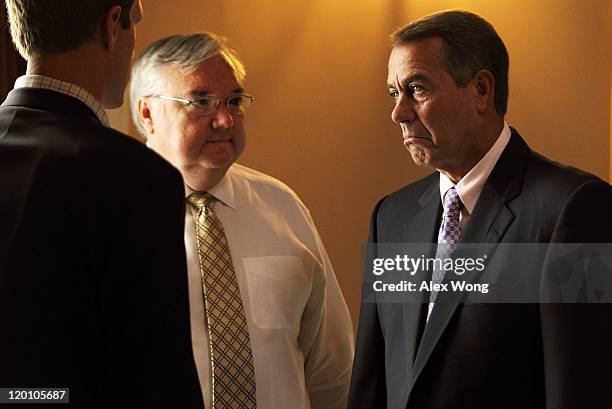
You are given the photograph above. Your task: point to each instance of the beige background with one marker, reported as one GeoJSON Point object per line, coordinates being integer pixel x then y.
{"type": "Point", "coordinates": [322, 124]}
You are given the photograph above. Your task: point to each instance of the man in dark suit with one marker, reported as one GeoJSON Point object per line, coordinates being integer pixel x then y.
{"type": "Point", "coordinates": [93, 291]}
{"type": "Point", "coordinates": [448, 76]}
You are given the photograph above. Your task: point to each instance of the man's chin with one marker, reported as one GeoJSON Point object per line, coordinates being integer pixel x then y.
{"type": "Point", "coordinates": [218, 163]}
{"type": "Point", "coordinates": [217, 155]}
{"type": "Point", "coordinates": [419, 156]}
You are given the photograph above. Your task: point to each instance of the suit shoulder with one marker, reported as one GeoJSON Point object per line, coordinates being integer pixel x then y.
{"type": "Point", "coordinates": [114, 159]}
{"type": "Point", "coordinates": [577, 202]}
{"type": "Point", "coordinates": [77, 139]}
{"type": "Point", "coordinates": [418, 186]}
{"type": "Point", "coordinates": [410, 194]}
{"type": "Point", "coordinates": [556, 179]}
{"type": "Point", "coordinates": [121, 153]}
{"type": "Point", "coordinates": [58, 151]}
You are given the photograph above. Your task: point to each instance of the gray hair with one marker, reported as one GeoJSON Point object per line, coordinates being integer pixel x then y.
{"type": "Point", "coordinates": [186, 51]}
{"type": "Point", "coordinates": [470, 44]}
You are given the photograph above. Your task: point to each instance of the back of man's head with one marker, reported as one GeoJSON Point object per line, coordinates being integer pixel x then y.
{"type": "Point", "coordinates": [470, 44]}
{"type": "Point", "coordinates": [181, 51]}
{"type": "Point", "coordinates": [40, 27]}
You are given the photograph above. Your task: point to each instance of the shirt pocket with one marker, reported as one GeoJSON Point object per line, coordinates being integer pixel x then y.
{"type": "Point", "coordinates": [278, 289]}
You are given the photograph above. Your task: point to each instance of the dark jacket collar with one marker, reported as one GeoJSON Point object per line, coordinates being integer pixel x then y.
{"type": "Point", "coordinates": [47, 100]}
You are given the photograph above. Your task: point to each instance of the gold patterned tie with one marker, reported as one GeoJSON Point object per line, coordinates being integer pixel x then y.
{"type": "Point", "coordinates": [233, 374]}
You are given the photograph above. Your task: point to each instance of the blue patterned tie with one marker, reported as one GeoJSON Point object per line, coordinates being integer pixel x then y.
{"type": "Point", "coordinates": [448, 237]}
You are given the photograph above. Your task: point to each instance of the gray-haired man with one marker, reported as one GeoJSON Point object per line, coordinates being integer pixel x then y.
{"type": "Point", "coordinates": [270, 326]}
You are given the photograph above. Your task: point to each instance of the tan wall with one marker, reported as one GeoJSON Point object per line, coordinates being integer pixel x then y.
{"type": "Point", "coordinates": [322, 124]}
{"type": "Point", "coordinates": [609, 35]}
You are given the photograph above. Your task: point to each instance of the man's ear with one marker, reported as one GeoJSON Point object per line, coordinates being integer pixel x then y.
{"type": "Point", "coordinates": [144, 116]}
{"type": "Point", "coordinates": [110, 26]}
{"type": "Point", "coordinates": [483, 84]}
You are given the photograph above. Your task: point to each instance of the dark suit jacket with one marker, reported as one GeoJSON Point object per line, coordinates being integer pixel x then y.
{"type": "Point", "coordinates": [93, 289]}
{"type": "Point", "coordinates": [487, 355]}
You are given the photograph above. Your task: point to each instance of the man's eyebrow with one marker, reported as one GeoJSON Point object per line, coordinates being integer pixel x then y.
{"type": "Point", "coordinates": [206, 93]}
{"type": "Point", "coordinates": [410, 79]}
{"type": "Point", "coordinates": [199, 93]}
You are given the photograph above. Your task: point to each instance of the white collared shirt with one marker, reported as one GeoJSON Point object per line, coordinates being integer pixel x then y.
{"type": "Point", "coordinates": [299, 325]}
{"type": "Point", "coordinates": [64, 87]}
{"type": "Point", "coordinates": [470, 186]}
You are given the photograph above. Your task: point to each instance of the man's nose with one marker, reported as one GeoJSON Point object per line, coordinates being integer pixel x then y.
{"type": "Point", "coordinates": [403, 111]}
{"type": "Point", "coordinates": [222, 118]}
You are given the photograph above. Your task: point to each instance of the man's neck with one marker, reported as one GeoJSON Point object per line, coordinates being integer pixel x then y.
{"type": "Point", "coordinates": [76, 67]}
{"type": "Point", "coordinates": [202, 180]}
{"type": "Point", "coordinates": [488, 138]}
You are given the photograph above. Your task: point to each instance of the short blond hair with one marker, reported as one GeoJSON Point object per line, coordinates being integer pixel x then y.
{"type": "Point", "coordinates": [40, 27]}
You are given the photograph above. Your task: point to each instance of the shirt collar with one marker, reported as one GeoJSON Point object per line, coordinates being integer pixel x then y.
{"type": "Point", "coordinates": [67, 88]}
{"type": "Point", "coordinates": [470, 186]}
{"type": "Point", "coordinates": [223, 191]}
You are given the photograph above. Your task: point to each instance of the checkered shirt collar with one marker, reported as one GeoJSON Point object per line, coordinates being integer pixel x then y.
{"type": "Point", "coordinates": [67, 88]}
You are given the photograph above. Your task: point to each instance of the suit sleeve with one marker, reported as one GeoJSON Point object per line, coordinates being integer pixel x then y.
{"type": "Point", "coordinates": [368, 382]}
{"type": "Point", "coordinates": [577, 336]}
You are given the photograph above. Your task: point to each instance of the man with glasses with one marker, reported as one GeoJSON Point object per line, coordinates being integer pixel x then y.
{"type": "Point", "coordinates": [270, 327]}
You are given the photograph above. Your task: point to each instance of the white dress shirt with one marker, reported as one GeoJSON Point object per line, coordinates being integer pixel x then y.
{"type": "Point", "coordinates": [470, 186]}
{"type": "Point", "coordinates": [300, 329]}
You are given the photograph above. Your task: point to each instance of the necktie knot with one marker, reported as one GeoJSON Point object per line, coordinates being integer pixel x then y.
{"type": "Point", "coordinates": [452, 204]}
{"type": "Point", "coordinates": [200, 200]}
{"type": "Point", "coordinates": [450, 229]}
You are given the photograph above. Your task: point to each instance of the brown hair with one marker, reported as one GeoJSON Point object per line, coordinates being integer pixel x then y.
{"type": "Point", "coordinates": [41, 27]}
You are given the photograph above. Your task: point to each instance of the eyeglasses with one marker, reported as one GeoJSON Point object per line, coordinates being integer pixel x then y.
{"type": "Point", "coordinates": [236, 104]}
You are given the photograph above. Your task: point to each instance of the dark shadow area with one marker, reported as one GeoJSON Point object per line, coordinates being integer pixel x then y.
{"type": "Point", "coordinates": [11, 63]}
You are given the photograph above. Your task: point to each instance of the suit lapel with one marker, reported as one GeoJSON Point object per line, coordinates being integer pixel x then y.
{"type": "Point", "coordinates": [491, 216]}
{"type": "Point", "coordinates": [487, 224]}
{"type": "Point", "coordinates": [421, 228]}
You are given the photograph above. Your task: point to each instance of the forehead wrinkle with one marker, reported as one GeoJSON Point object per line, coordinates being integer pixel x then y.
{"type": "Point", "coordinates": [391, 82]}
{"type": "Point", "coordinates": [210, 73]}
{"type": "Point", "coordinates": [415, 61]}
{"type": "Point", "coordinates": [394, 78]}
{"type": "Point", "coordinates": [406, 77]}
{"type": "Point", "coordinates": [169, 76]}
{"type": "Point", "coordinates": [399, 66]}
